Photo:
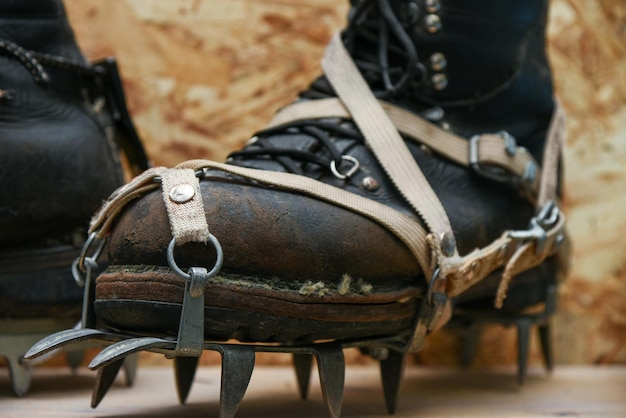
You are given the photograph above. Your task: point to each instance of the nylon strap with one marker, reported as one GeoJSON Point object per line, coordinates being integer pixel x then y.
{"type": "Point", "coordinates": [383, 139]}
{"type": "Point", "coordinates": [491, 149]}
{"type": "Point", "coordinates": [183, 201]}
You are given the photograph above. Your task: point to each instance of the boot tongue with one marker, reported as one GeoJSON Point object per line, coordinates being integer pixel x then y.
{"type": "Point", "coordinates": [40, 26]}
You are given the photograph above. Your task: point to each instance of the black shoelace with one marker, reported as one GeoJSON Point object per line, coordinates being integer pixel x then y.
{"type": "Point", "coordinates": [393, 71]}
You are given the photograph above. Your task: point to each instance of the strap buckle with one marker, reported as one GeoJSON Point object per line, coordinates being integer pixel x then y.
{"type": "Point", "coordinates": [497, 173]}
{"type": "Point", "coordinates": [539, 226]}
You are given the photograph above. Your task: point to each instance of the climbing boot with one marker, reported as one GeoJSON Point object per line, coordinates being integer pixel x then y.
{"type": "Point", "coordinates": [62, 123]}
{"type": "Point", "coordinates": [417, 174]}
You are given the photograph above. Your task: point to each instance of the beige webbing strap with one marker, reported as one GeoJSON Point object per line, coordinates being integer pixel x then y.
{"type": "Point", "coordinates": [407, 229]}
{"type": "Point", "coordinates": [554, 144]}
{"type": "Point", "coordinates": [491, 150]}
{"type": "Point", "coordinates": [383, 139]}
{"type": "Point", "coordinates": [183, 201]}
{"type": "Point", "coordinates": [140, 185]}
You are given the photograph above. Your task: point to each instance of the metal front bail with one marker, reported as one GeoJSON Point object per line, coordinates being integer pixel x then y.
{"type": "Point", "coordinates": [190, 341]}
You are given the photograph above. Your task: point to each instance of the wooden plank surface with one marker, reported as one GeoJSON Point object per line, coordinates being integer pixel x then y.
{"type": "Point", "coordinates": [573, 391]}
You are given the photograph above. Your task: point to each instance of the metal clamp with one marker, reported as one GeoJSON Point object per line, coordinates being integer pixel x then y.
{"type": "Point", "coordinates": [430, 312]}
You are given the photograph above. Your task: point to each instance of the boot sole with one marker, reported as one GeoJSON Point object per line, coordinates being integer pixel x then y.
{"type": "Point", "coordinates": [148, 300]}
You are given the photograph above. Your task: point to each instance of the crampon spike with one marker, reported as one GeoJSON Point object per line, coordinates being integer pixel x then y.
{"type": "Point", "coordinates": [185, 371]}
{"type": "Point", "coordinates": [331, 366]}
{"type": "Point", "coordinates": [130, 369]}
{"type": "Point", "coordinates": [302, 364]}
{"type": "Point", "coordinates": [523, 345]}
{"type": "Point", "coordinates": [391, 370]}
{"type": "Point", "coordinates": [106, 377]}
{"type": "Point", "coordinates": [237, 366]}
{"type": "Point", "coordinates": [546, 345]}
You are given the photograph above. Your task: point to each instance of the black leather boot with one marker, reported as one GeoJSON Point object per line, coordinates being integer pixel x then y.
{"type": "Point", "coordinates": [63, 123]}
{"type": "Point", "coordinates": [417, 174]}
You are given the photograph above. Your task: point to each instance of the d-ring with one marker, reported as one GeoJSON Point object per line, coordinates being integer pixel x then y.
{"type": "Point", "coordinates": [216, 268]}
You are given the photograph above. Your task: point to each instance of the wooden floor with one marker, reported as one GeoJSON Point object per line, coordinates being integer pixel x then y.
{"type": "Point", "coordinates": [425, 392]}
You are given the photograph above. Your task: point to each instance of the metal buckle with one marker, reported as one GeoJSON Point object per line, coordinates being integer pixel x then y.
{"type": "Point", "coordinates": [538, 226]}
{"type": "Point", "coordinates": [494, 173]}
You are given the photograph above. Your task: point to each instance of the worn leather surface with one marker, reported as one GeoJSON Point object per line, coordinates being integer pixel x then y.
{"type": "Point", "coordinates": [270, 233]}
{"type": "Point", "coordinates": [58, 159]}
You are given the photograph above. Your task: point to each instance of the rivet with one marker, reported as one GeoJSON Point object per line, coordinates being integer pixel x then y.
{"type": "Point", "coordinates": [182, 193]}
{"type": "Point", "coordinates": [445, 126]}
{"type": "Point", "coordinates": [433, 6]}
{"type": "Point", "coordinates": [448, 245]}
{"type": "Point", "coordinates": [438, 61]}
{"type": "Point", "coordinates": [439, 81]}
{"type": "Point", "coordinates": [370, 184]}
{"type": "Point", "coordinates": [426, 150]}
{"type": "Point", "coordinates": [432, 23]}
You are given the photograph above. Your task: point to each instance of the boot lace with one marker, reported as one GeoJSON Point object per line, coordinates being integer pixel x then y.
{"type": "Point", "coordinates": [393, 71]}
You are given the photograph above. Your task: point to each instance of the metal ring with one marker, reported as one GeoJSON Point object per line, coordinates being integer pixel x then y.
{"type": "Point", "coordinates": [216, 268]}
{"type": "Point", "coordinates": [350, 172]}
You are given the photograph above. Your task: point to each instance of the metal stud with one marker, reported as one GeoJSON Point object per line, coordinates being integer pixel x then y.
{"type": "Point", "coordinates": [432, 23]}
{"type": "Point", "coordinates": [433, 6]}
{"type": "Point", "coordinates": [448, 244]}
{"type": "Point", "coordinates": [185, 371]}
{"type": "Point", "coordinates": [439, 81]}
{"type": "Point", "coordinates": [438, 61]}
{"type": "Point", "coordinates": [370, 184]}
{"type": "Point", "coordinates": [182, 193]}
{"type": "Point", "coordinates": [391, 370]}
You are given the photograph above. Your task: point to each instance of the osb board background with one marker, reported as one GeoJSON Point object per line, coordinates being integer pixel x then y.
{"type": "Point", "coordinates": [201, 76]}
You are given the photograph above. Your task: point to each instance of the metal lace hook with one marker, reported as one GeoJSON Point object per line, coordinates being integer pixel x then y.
{"type": "Point", "coordinates": [218, 261]}
{"type": "Point", "coordinates": [350, 172]}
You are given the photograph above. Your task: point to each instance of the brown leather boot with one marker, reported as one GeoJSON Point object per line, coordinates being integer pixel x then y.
{"type": "Point", "coordinates": [418, 173]}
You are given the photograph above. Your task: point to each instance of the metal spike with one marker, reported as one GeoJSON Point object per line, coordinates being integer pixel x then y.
{"type": "Point", "coordinates": [523, 345]}
{"type": "Point", "coordinates": [391, 370]}
{"type": "Point", "coordinates": [106, 377]}
{"type": "Point", "coordinates": [331, 366]}
{"type": "Point", "coordinates": [74, 358]}
{"type": "Point", "coordinates": [546, 345]}
{"type": "Point", "coordinates": [185, 371]}
{"type": "Point", "coordinates": [130, 369]}
{"type": "Point", "coordinates": [61, 338]}
{"type": "Point", "coordinates": [20, 375]}
{"type": "Point", "coordinates": [117, 352]}
{"type": "Point", "coordinates": [237, 366]}
{"type": "Point", "coordinates": [470, 341]}
{"type": "Point", "coordinates": [302, 364]}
